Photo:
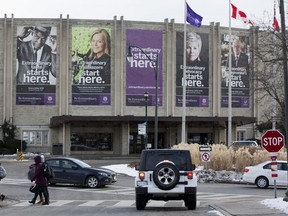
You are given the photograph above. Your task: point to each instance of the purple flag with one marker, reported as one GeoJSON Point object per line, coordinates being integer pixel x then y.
{"type": "Point", "coordinates": [192, 17]}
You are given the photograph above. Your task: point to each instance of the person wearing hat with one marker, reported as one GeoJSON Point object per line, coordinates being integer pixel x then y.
{"type": "Point", "coordinates": [36, 59]}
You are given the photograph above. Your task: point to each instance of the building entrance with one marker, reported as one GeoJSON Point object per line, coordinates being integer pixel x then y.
{"type": "Point", "coordinates": [137, 142]}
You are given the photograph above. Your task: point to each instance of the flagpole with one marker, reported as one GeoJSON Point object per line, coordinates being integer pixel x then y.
{"type": "Point", "coordinates": [183, 134]}
{"type": "Point", "coordinates": [274, 74]}
{"type": "Point", "coordinates": [230, 88]}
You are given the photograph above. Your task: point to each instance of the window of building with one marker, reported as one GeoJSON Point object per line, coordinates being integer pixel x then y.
{"type": "Point", "coordinates": [35, 137]}
{"type": "Point", "coordinates": [91, 141]}
{"type": "Point", "coordinates": [240, 135]}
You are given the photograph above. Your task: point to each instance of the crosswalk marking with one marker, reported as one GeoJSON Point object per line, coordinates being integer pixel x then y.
{"type": "Point", "coordinates": [124, 203]}
{"type": "Point", "coordinates": [61, 202]}
{"type": "Point", "coordinates": [92, 203]}
{"type": "Point", "coordinates": [15, 181]}
{"type": "Point", "coordinates": [109, 203]}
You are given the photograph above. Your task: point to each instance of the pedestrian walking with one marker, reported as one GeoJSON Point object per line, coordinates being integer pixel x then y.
{"type": "Point", "coordinates": [40, 181]}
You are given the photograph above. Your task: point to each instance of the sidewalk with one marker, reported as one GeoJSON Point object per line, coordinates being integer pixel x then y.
{"type": "Point", "coordinates": [246, 207]}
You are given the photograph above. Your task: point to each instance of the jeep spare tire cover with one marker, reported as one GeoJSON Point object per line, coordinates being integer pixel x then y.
{"type": "Point", "coordinates": [166, 175]}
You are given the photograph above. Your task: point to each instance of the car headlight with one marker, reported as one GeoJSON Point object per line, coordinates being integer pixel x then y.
{"type": "Point", "coordinates": [103, 174]}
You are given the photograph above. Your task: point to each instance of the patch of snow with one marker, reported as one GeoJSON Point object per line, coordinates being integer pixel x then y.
{"type": "Point", "coordinates": [277, 203]}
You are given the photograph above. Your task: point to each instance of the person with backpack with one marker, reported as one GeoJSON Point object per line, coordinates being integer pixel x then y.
{"type": "Point", "coordinates": [31, 175]}
{"type": "Point", "coordinates": [40, 181]}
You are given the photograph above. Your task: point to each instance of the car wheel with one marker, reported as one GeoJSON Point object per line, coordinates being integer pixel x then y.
{"type": "Point", "coordinates": [166, 176]}
{"type": "Point", "coordinates": [140, 202]}
{"type": "Point", "coordinates": [262, 182]}
{"type": "Point", "coordinates": [92, 182]}
{"type": "Point", "coordinates": [191, 201]}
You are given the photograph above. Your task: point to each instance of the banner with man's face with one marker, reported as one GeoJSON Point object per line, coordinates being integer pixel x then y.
{"type": "Point", "coordinates": [36, 65]}
{"type": "Point", "coordinates": [197, 69]}
{"type": "Point", "coordinates": [140, 70]}
{"type": "Point", "coordinates": [240, 84]}
{"type": "Point", "coordinates": [91, 65]}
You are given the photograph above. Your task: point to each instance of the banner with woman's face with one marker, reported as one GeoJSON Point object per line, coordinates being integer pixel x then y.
{"type": "Point", "coordinates": [197, 69]}
{"type": "Point", "coordinates": [91, 65]}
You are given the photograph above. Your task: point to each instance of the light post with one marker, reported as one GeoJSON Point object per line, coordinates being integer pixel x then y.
{"type": "Point", "coordinates": [285, 71]}
{"type": "Point", "coordinates": [155, 62]}
{"type": "Point", "coordinates": [146, 95]}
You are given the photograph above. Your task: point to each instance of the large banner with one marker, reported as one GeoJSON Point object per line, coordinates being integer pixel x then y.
{"type": "Point", "coordinates": [140, 71]}
{"type": "Point", "coordinates": [36, 65]}
{"type": "Point", "coordinates": [240, 58]}
{"type": "Point", "coordinates": [197, 69]}
{"type": "Point", "coordinates": [91, 63]}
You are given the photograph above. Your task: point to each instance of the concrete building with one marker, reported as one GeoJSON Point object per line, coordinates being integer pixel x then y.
{"type": "Point", "coordinates": [94, 105]}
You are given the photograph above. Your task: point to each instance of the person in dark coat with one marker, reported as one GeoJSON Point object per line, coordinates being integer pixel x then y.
{"type": "Point", "coordinates": [40, 181]}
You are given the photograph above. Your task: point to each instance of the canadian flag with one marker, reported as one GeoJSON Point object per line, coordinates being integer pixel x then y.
{"type": "Point", "coordinates": [240, 15]}
{"type": "Point", "coordinates": [275, 25]}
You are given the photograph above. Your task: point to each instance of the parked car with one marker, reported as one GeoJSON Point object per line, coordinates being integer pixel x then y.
{"type": "Point", "coordinates": [260, 174]}
{"type": "Point", "coordinates": [244, 143]}
{"type": "Point", "coordinates": [69, 170]}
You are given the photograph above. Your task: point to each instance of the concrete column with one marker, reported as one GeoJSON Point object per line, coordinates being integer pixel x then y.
{"type": "Point", "coordinates": [124, 138]}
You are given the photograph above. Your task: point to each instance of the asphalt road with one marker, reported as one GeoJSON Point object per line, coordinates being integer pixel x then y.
{"type": "Point", "coordinates": [113, 199]}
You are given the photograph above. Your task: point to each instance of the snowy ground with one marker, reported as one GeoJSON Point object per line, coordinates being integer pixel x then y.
{"type": "Point", "coordinates": [210, 175]}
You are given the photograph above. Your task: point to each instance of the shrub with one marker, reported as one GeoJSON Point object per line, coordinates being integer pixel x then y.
{"type": "Point", "coordinates": [224, 158]}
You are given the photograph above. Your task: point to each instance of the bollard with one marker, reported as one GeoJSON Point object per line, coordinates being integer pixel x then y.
{"type": "Point", "coordinates": [20, 156]}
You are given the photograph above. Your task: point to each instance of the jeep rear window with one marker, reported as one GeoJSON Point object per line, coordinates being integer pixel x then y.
{"type": "Point", "coordinates": [179, 159]}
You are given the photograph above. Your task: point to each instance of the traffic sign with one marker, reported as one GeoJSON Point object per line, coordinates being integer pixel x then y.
{"type": "Point", "coordinates": [272, 140]}
{"type": "Point", "coordinates": [205, 148]}
{"type": "Point", "coordinates": [205, 156]}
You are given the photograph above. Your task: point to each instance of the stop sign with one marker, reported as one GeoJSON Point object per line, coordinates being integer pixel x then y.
{"type": "Point", "coordinates": [272, 140]}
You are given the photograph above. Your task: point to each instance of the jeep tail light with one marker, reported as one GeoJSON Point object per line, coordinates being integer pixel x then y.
{"type": "Point", "coordinates": [141, 176]}
{"type": "Point", "coordinates": [190, 175]}
{"type": "Point", "coordinates": [246, 170]}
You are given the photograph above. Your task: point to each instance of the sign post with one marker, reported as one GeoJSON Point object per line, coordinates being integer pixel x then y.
{"type": "Point", "coordinates": [205, 154]}
{"type": "Point", "coordinates": [273, 141]}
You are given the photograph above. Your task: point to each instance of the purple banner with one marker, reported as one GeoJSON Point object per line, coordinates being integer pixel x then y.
{"type": "Point", "coordinates": [140, 71]}
{"type": "Point", "coordinates": [197, 69]}
{"type": "Point", "coordinates": [36, 65]}
{"type": "Point", "coordinates": [91, 62]}
{"type": "Point", "coordinates": [240, 84]}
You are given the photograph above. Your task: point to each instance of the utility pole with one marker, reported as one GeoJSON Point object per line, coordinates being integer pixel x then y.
{"type": "Point", "coordinates": [285, 70]}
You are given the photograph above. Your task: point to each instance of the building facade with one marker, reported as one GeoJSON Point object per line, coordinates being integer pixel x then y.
{"type": "Point", "coordinates": [65, 97]}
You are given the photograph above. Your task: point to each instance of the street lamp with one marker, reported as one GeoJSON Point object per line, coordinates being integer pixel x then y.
{"type": "Point", "coordinates": [146, 95]}
{"type": "Point", "coordinates": [155, 62]}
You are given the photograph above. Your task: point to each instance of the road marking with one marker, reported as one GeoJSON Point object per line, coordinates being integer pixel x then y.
{"type": "Point", "coordinates": [124, 203]}
{"type": "Point", "coordinates": [116, 203]}
{"type": "Point", "coordinates": [61, 202]}
{"type": "Point", "coordinates": [92, 203]}
{"type": "Point", "coordinates": [15, 181]}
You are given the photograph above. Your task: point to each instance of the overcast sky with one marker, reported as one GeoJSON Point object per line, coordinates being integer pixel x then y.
{"type": "Point", "coordinates": [138, 10]}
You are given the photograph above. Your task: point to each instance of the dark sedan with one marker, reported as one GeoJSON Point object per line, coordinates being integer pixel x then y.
{"type": "Point", "coordinates": [69, 170]}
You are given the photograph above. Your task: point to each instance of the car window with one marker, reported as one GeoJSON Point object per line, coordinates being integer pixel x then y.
{"type": "Point", "coordinates": [282, 166]}
{"type": "Point", "coordinates": [68, 164]}
{"type": "Point", "coordinates": [180, 160]}
{"type": "Point", "coordinates": [53, 163]}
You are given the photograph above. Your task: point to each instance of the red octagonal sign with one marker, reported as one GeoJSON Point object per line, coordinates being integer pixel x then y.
{"type": "Point", "coordinates": [272, 140]}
